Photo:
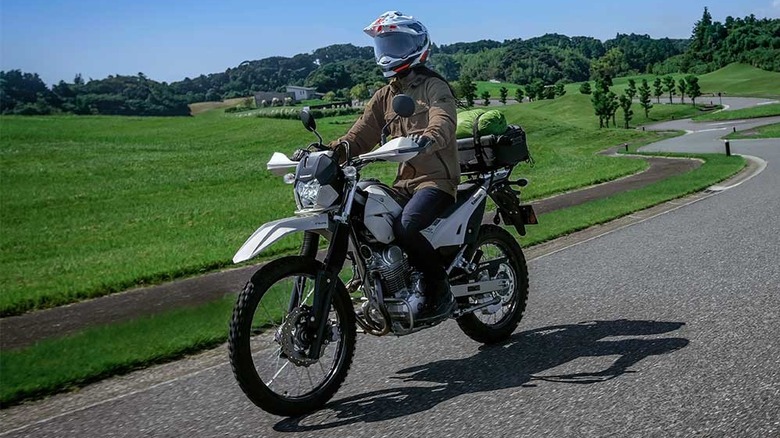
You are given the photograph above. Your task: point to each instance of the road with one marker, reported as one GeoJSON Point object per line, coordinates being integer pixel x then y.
{"type": "Point", "coordinates": [668, 327]}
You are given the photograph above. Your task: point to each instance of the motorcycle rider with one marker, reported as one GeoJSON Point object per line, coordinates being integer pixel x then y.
{"type": "Point", "coordinates": [430, 180]}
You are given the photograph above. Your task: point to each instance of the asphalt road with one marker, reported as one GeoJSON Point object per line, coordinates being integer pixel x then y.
{"type": "Point", "coordinates": [665, 328]}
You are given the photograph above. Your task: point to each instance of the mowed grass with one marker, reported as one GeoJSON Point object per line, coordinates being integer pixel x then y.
{"type": "Point", "coordinates": [742, 80]}
{"type": "Point", "coordinates": [732, 80]}
{"type": "Point", "coordinates": [495, 90]}
{"type": "Point", "coordinates": [766, 131]}
{"type": "Point", "coordinates": [93, 205]}
{"type": "Point", "coordinates": [60, 364]}
{"type": "Point", "coordinates": [202, 107]}
{"type": "Point", "coordinates": [744, 113]}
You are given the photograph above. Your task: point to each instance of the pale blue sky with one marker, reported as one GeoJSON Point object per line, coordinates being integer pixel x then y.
{"type": "Point", "coordinates": [170, 39]}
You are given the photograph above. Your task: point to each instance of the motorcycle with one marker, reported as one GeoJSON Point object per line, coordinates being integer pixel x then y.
{"type": "Point", "coordinates": [294, 325]}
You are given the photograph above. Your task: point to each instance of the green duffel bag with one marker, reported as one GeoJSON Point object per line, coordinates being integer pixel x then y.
{"type": "Point", "coordinates": [491, 122]}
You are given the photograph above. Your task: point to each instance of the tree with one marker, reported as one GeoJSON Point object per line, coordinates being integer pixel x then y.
{"type": "Point", "coordinates": [631, 90]}
{"type": "Point", "coordinates": [669, 86]}
{"type": "Point", "coordinates": [609, 66]}
{"type": "Point", "coordinates": [644, 97]}
{"type": "Point", "coordinates": [467, 89]}
{"type": "Point", "coordinates": [359, 92]}
{"type": "Point", "coordinates": [658, 89]}
{"type": "Point", "coordinates": [613, 104]}
{"type": "Point", "coordinates": [486, 97]}
{"type": "Point", "coordinates": [682, 86]}
{"type": "Point", "coordinates": [559, 89]}
{"type": "Point", "coordinates": [330, 96]}
{"type": "Point", "coordinates": [549, 92]}
{"type": "Point", "coordinates": [625, 103]}
{"type": "Point", "coordinates": [502, 95]}
{"type": "Point", "coordinates": [694, 90]}
{"type": "Point", "coordinates": [535, 90]}
{"type": "Point", "coordinates": [600, 106]}
{"type": "Point", "coordinates": [585, 88]}
{"type": "Point", "coordinates": [519, 95]}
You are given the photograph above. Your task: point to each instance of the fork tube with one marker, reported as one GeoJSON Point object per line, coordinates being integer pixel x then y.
{"type": "Point", "coordinates": [310, 242]}
{"type": "Point", "coordinates": [325, 285]}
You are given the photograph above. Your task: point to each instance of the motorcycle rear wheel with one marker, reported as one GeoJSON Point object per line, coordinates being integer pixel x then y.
{"type": "Point", "coordinates": [496, 323]}
{"type": "Point", "coordinates": [268, 339]}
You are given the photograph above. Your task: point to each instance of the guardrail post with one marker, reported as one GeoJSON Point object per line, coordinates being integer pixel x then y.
{"type": "Point", "coordinates": [733, 129]}
{"type": "Point", "coordinates": [728, 149]}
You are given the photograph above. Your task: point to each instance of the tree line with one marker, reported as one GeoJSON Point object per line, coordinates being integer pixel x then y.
{"type": "Point", "coordinates": [26, 94]}
{"type": "Point", "coordinates": [606, 102]}
{"type": "Point", "coordinates": [345, 70]}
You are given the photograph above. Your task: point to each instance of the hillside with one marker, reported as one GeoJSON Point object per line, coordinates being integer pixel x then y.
{"type": "Point", "coordinates": [742, 80]}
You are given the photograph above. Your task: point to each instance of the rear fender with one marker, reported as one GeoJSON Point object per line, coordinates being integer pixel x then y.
{"type": "Point", "coordinates": [269, 233]}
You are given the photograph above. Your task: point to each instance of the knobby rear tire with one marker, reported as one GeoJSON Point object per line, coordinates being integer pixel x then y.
{"type": "Point", "coordinates": [240, 335]}
{"type": "Point", "coordinates": [471, 325]}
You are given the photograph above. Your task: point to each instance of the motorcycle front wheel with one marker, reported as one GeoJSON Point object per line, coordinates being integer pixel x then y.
{"type": "Point", "coordinates": [502, 258]}
{"type": "Point", "coordinates": [269, 339]}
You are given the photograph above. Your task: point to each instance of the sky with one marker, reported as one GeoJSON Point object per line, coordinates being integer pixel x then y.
{"type": "Point", "coordinates": [169, 40]}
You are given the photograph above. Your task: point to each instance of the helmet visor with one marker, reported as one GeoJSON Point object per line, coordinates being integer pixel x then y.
{"type": "Point", "coordinates": [395, 45]}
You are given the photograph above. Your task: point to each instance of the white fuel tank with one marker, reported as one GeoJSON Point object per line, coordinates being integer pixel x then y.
{"type": "Point", "coordinates": [380, 213]}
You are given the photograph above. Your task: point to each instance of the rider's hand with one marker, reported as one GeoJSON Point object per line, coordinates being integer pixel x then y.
{"type": "Point", "coordinates": [299, 154]}
{"type": "Point", "coordinates": [421, 140]}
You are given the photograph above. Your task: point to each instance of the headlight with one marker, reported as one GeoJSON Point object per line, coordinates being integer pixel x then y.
{"type": "Point", "coordinates": [307, 193]}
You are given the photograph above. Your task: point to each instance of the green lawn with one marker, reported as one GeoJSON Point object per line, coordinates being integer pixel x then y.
{"type": "Point", "coordinates": [732, 80]}
{"type": "Point", "coordinates": [742, 80]}
{"type": "Point", "coordinates": [97, 204]}
{"type": "Point", "coordinates": [494, 90]}
{"type": "Point", "coordinates": [766, 131]}
{"type": "Point", "coordinates": [745, 113]}
{"type": "Point", "coordinates": [93, 205]}
{"type": "Point", "coordinates": [72, 361]}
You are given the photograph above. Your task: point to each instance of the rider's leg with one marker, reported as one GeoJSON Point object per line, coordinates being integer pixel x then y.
{"type": "Point", "coordinates": [419, 213]}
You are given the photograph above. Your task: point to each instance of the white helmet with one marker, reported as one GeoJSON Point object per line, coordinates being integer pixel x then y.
{"type": "Point", "coordinates": [400, 42]}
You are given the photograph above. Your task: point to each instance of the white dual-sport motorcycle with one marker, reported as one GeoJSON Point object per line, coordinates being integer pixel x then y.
{"type": "Point", "coordinates": [292, 334]}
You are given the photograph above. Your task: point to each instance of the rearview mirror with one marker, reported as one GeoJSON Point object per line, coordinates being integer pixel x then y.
{"type": "Point", "coordinates": [308, 120]}
{"type": "Point", "coordinates": [403, 105]}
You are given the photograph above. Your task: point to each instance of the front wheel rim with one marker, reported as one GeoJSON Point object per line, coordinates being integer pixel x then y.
{"type": "Point", "coordinates": [277, 349]}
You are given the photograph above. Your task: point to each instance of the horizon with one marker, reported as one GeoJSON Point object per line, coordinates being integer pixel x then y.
{"type": "Point", "coordinates": [98, 39]}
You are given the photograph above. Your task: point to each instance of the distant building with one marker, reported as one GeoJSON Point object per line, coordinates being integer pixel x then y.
{"type": "Point", "coordinates": [302, 93]}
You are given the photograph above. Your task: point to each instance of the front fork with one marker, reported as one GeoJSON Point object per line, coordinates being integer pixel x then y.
{"type": "Point", "coordinates": [325, 284]}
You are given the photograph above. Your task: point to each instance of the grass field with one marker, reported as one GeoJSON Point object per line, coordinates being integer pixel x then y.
{"type": "Point", "coordinates": [745, 113]}
{"type": "Point", "coordinates": [767, 131]}
{"type": "Point", "coordinates": [732, 80]}
{"type": "Point", "coordinates": [93, 205]}
{"type": "Point", "coordinates": [59, 364]}
{"type": "Point", "coordinates": [202, 107]}
{"type": "Point", "coordinates": [494, 90]}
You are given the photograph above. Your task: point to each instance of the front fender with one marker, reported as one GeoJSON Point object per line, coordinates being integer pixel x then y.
{"type": "Point", "coordinates": [269, 233]}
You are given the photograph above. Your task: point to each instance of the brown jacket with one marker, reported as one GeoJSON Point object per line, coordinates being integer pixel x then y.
{"type": "Point", "coordinates": [435, 116]}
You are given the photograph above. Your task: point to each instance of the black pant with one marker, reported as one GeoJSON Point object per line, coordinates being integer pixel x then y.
{"type": "Point", "coordinates": [418, 214]}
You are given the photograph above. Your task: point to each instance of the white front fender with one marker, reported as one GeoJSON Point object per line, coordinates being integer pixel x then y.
{"type": "Point", "coordinates": [269, 233]}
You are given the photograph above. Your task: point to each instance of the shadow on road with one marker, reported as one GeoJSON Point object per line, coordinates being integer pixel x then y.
{"type": "Point", "coordinates": [518, 362]}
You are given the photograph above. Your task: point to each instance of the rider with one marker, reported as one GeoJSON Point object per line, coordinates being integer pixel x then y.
{"type": "Point", "coordinates": [401, 48]}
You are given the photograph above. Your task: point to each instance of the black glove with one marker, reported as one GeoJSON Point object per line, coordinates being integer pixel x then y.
{"type": "Point", "coordinates": [299, 154]}
{"type": "Point", "coordinates": [421, 140]}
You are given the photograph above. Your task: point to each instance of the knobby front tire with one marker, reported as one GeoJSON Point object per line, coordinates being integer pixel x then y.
{"type": "Point", "coordinates": [263, 331]}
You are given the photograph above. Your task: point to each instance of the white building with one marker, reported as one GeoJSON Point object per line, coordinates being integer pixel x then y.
{"type": "Point", "coordinates": [302, 93]}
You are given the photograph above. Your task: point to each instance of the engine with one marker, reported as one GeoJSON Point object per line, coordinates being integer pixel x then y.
{"type": "Point", "coordinates": [392, 266]}
{"type": "Point", "coordinates": [402, 288]}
